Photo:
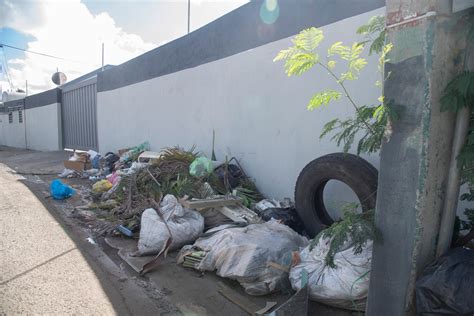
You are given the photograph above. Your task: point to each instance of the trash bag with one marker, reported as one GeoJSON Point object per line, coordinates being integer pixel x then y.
{"type": "Point", "coordinates": [60, 191]}
{"type": "Point", "coordinates": [114, 178]}
{"type": "Point", "coordinates": [101, 186]}
{"type": "Point", "coordinates": [346, 286]}
{"type": "Point", "coordinates": [185, 226]}
{"type": "Point", "coordinates": [287, 216]}
{"type": "Point", "coordinates": [258, 256]}
{"type": "Point", "coordinates": [110, 160]}
{"type": "Point", "coordinates": [281, 211]}
{"type": "Point", "coordinates": [201, 167]}
{"type": "Point", "coordinates": [447, 285]}
{"type": "Point", "coordinates": [67, 173]}
{"type": "Point", "coordinates": [95, 158]}
{"type": "Point", "coordinates": [229, 175]}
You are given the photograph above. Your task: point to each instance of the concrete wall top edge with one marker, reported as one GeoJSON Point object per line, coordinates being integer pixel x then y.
{"type": "Point", "coordinates": [237, 31]}
{"type": "Point", "coordinates": [33, 101]}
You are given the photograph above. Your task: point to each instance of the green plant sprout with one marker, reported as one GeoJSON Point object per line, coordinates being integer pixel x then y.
{"type": "Point", "coordinates": [370, 121]}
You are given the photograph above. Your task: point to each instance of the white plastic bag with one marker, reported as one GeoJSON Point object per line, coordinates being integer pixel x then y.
{"type": "Point", "coordinates": [346, 286]}
{"type": "Point", "coordinates": [256, 255]}
{"type": "Point", "coordinates": [185, 226]}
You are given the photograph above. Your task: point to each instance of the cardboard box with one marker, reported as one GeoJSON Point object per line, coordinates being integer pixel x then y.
{"type": "Point", "coordinates": [77, 165]}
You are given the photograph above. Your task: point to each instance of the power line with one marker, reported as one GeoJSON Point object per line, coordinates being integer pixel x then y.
{"type": "Point", "coordinates": [5, 66]}
{"type": "Point", "coordinates": [42, 54]}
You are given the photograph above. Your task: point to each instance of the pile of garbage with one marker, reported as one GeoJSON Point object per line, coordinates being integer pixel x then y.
{"type": "Point", "coordinates": [133, 180]}
{"type": "Point", "coordinates": [212, 212]}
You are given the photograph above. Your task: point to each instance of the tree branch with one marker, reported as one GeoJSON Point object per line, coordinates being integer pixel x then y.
{"type": "Point", "coordinates": [346, 93]}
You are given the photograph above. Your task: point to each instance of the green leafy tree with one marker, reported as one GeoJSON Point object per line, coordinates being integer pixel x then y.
{"type": "Point", "coordinates": [370, 121]}
{"type": "Point", "coordinates": [355, 228]}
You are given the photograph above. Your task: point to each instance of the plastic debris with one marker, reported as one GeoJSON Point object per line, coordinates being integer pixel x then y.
{"type": "Point", "coordinates": [67, 173]}
{"type": "Point", "coordinates": [124, 230]}
{"type": "Point", "coordinates": [229, 174]}
{"type": "Point", "coordinates": [110, 160]}
{"type": "Point", "coordinates": [101, 186]}
{"type": "Point", "coordinates": [92, 172]}
{"type": "Point", "coordinates": [258, 256]}
{"type": "Point", "coordinates": [283, 211]}
{"type": "Point", "coordinates": [113, 178]}
{"type": "Point", "coordinates": [133, 153]}
{"type": "Point", "coordinates": [184, 225]}
{"type": "Point", "coordinates": [60, 191]}
{"type": "Point", "coordinates": [446, 286]}
{"type": "Point", "coordinates": [201, 167]}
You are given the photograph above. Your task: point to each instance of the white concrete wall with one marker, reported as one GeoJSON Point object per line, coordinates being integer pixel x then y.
{"type": "Point", "coordinates": [3, 118]}
{"type": "Point", "coordinates": [13, 134]}
{"type": "Point", "coordinates": [43, 127]}
{"type": "Point", "coordinates": [258, 113]}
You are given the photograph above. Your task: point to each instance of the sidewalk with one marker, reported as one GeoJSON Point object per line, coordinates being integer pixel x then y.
{"type": "Point", "coordinates": [43, 272]}
{"type": "Point", "coordinates": [43, 269]}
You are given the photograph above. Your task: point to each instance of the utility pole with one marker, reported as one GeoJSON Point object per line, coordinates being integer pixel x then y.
{"type": "Point", "coordinates": [24, 114]}
{"type": "Point", "coordinates": [189, 15]}
{"type": "Point", "coordinates": [414, 162]}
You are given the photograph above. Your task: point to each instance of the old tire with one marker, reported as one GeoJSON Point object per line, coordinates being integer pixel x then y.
{"type": "Point", "coordinates": [350, 169]}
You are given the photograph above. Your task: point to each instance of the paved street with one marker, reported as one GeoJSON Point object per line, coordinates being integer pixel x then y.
{"type": "Point", "coordinates": [45, 271]}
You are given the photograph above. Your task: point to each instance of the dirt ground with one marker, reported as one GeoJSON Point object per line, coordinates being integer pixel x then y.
{"type": "Point", "coordinates": [169, 290]}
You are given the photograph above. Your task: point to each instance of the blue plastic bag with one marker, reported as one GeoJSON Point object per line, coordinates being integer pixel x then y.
{"type": "Point", "coordinates": [60, 191]}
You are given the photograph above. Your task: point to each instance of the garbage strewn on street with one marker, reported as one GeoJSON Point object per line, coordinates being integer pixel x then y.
{"type": "Point", "coordinates": [212, 215]}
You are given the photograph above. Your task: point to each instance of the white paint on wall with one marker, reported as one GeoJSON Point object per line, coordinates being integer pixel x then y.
{"type": "Point", "coordinates": [258, 113]}
{"type": "Point", "coordinates": [13, 134]}
{"type": "Point", "coordinates": [3, 118]}
{"type": "Point", "coordinates": [43, 127]}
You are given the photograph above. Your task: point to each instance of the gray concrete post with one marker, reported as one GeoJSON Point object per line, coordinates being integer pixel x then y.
{"type": "Point", "coordinates": [429, 44]}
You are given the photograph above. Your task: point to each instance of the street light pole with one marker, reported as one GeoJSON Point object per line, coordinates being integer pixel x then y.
{"type": "Point", "coordinates": [189, 14]}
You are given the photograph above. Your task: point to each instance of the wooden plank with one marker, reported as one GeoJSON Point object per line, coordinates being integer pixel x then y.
{"type": "Point", "coordinates": [210, 203]}
{"type": "Point", "coordinates": [239, 300]}
{"type": "Point", "coordinates": [239, 214]}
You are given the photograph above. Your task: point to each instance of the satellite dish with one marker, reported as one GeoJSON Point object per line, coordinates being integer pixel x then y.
{"type": "Point", "coordinates": [59, 78]}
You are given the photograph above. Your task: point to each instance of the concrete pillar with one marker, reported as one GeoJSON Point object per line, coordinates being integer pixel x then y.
{"type": "Point", "coordinates": [428, 52]}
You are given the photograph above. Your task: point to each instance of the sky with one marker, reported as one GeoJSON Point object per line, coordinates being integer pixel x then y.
{"type": "Point", "coordinates": [74, 30]}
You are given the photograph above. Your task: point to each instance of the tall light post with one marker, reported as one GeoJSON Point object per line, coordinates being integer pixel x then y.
{"type": "Point", "coordinates": [189, 14]}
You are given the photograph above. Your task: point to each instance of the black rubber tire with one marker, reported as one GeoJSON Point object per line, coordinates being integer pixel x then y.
{"type": "Point", "coordinates": [350, 169]}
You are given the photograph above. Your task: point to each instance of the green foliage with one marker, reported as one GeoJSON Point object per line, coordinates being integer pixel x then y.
{"type": "Point", "coordinates": [354, 230]}
{"type": "Point", "coordinates": [459, 93]}
{"type": "Point", "coordinates": [248, 193]}
{"type": "Point", "coordinates": [466, 156]}
{"type": "Point", "coordinates": [301, 57]}
{"type": "Point", "coordinates": [374, 31]}
{"type": "Point", "coordinates": [345, 131]}
{"type": "Point", "coordinates": [370, 120]}
{"type": "Point", "coordinates": [323, 98]}
{"type": "Point", "coordinates": [309, 39]}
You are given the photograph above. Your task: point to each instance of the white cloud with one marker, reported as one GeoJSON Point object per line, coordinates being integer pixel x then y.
{"type": "Point", "coordinates": [66, 29]}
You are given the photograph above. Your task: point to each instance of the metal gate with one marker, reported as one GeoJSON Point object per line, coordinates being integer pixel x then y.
{"type": "Point", "coordinates": [79, 115]}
